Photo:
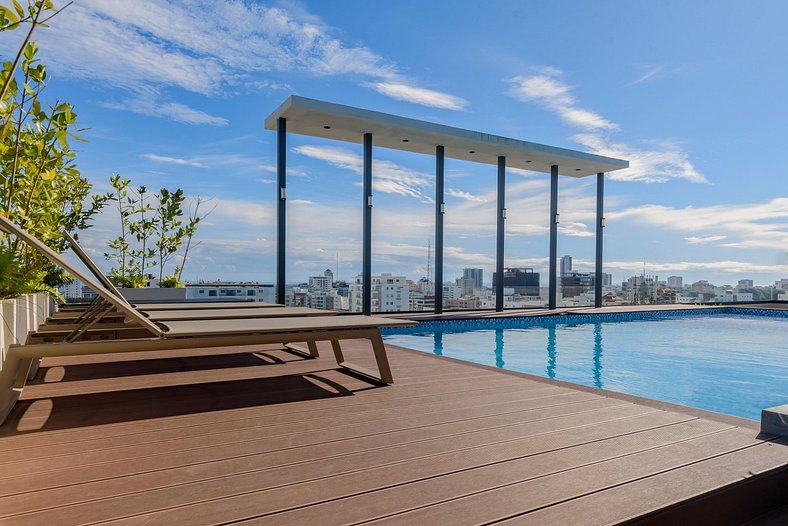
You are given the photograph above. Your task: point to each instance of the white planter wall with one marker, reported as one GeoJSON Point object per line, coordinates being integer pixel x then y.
{"type": "Point", "coordinates": [18, 317]}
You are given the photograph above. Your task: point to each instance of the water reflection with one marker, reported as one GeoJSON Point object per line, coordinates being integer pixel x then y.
{"type": "Point", "coordinates": [598, 355]}
{"type": "Point", "coordinates": [551, 352]}
{"type": "Point", "coordinates": [499, 348]}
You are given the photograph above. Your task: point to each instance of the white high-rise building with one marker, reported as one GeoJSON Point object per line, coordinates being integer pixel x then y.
{"type": "Point", "coordinates": [71, 290]}
{"type": "Point", "coordinates": [389, 293]}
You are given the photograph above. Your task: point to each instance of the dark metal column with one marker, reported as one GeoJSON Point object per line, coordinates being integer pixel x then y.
{"type": "Point", "coordinates": [281, 208]}
{"type": "Point", "coordinates": [366, 263]}
{"type": "Point", "coordinates": [500, 230]}
{"type": "Point", "coordinates": [600, 224]}
{"type": "Point", "coordinates": [553, 290]}
{"type": "Point", "coordinates": [440, 207]}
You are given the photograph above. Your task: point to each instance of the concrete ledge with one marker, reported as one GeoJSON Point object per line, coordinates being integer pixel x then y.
{"type": "Point", "coordinates": [774, 420]}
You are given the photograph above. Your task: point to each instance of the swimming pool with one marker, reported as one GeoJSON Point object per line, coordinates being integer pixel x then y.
{"type": "Point", "coordinates": [732, 361]}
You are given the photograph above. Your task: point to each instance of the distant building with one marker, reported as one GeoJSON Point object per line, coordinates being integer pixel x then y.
{"type": "Point", "coordinates": [566, 265]}
{"type": "Point", "coordinates": [727, 296]}
{"type": "Point", "coordinates": [71, 290]}
{"type": "Point", "coordinates": [216, 290]}
{"type": "Point", "coordinates": [607, 279]}
{"type": "Point", "coordinates": [574, 284]}
{"type": "Point", "coordinates": [76, 290]}
{"type": "Point", "coordinates": [745, 284]}
{"type": "Point", "coordinates": [389, 293]}
{"type": "Point", "coordinates": [451, 291]}
{"type": "Point", "coordinates": [675, 282]}
{"type": "Point", "coordinates": [524, 281]}
{"type": "Point", "coordinates": [642, 289]}
{"type": "Point", "coordinates": [476, 275]}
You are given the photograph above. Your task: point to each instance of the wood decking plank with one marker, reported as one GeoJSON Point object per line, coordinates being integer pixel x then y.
{"type": "Point", "coordinates": [485, 464]}
{"type": "Point", "coordinates": [329, 431]}
{"type": "Point", "coordinates": [275, 439]}
{"type": "Point", "coordinates": [514, 499]}
{"type": "Point", "coordinates": [232, 498]}
{"type": "Point", "coordinates": [257, 419]}
{"type": "Point", "coordinates": [661, 490]}
{"type": "Point", "coordinates": [467, 382]}
{"type": "Point", "coordinates": [305, 463]}
{"type": "Point", "coordinates": [301, 450]}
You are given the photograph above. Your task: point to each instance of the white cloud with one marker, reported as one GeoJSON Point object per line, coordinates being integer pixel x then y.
{"type": "Point", "coordinates": [703, 240]}
{"type": "Point", "coordinates": [465, 195]}
{"type": "Point", "coordinates": [651, 72]}
{"type": "Point", "coordinates": [146, 104]}
{"type": "Point", "coordinates": [552, 93]}
{"type": "Point", "coordinates": [750, 225]}
{"type": "Point", "coordinates": [726, 266]}
{"type": "Point", "coordinates": [214, 48]}
{"type": "Point", "coordinates": [574, 229]}
{"type": "Point", "coordinates": [291, 170]}
{"type": "Point", "coordinates": [423, 96]}
{"type": "Point", "coordinates": [172, 160]}
{"type": "Point", "coordinates": [388, 177]}
{"type": "Point", "coordinates": [663, 161]}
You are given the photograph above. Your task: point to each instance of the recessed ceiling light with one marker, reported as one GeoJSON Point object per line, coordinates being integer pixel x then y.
{"type": "Point", "coordinates": [327, 127]}
{"type": "Point", "coordinates": [577, 169]}
{"type": "Point", "coordinates": [528, 161]}
{"type": "Point", "coordinates": [472, 151]}
{"type": "Point", "coordinates": [404, 140]}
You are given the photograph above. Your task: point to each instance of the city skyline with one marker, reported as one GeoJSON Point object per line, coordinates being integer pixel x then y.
{"type": "Point", "coordinates": [187, 112]}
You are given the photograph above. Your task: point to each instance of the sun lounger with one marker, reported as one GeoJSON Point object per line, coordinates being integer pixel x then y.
{"type": "Point", "coordinates": [147, 335]}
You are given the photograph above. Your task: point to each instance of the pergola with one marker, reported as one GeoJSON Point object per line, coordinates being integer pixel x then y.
{"type": "Point", "coordinates": [317, 118]}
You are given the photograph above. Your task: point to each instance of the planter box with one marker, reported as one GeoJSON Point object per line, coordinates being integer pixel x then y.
{"type": "Point", "coordinates": [18, 317]}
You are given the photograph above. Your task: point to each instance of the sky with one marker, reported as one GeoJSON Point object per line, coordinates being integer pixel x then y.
{"type": "Point", "coordinates": [174, 94]}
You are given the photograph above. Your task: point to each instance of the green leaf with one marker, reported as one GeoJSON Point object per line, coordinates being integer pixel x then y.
{"type": "Point", "coordinates": [19, 10]}
{"type": "Point", "coordinates": [8, 16]}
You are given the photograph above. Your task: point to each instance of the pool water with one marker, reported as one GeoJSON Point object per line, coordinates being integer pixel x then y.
{"type": "Point", "coordinates": [729, 363]}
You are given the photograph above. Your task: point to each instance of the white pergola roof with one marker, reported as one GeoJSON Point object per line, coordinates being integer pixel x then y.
{"type": "Point", "coordinates": [317, 118]}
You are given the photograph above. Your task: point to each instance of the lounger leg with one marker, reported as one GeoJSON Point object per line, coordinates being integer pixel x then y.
{"type": "Point", "coordinates": [380, 357]}
{"type": "Point", "coordinates": [309, 352]}
{"type": "Point", "coordinates": [338, 354]}
{"type": "Point", "coordinates": [384, 370]}
{"type": "Point", "coordinates": [22, 372]}
{"type": "Point", "coordinates": [33, 368]}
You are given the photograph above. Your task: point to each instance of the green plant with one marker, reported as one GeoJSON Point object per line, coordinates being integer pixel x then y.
{"type": "Point", "coordinates": [41, 188]}
{"type": "Point", "coordinates": [150, 234]}
{"type": "Point", "coordinates": [171, 282]}
{"type": "Point", "coordinates": [170, 232]}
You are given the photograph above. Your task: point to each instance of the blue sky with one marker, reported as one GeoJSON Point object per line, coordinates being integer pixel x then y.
{"type": "Point", "coordinates": [175, 94]}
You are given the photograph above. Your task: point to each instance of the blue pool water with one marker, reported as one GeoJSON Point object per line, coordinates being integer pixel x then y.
{"type": "Point", "coordinates": [731, 361]}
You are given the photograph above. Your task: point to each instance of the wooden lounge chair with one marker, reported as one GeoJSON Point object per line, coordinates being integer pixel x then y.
{"type": "Point", "coordinates": [147, 335]}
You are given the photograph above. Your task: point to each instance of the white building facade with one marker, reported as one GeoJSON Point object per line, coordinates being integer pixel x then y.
{"type": "Point", "coordinates": [389, 293]}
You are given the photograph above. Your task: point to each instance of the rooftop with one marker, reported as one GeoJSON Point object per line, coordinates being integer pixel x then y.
{"type": "Point", "coordinates": [261, 435]}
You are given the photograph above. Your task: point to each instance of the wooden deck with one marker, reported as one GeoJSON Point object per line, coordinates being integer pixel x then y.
{"type": "Point", "coordinates": [267, 437]}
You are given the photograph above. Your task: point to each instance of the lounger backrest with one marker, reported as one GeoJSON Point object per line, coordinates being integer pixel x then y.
{"type": "Point", "coordinates": [117, 302]}
{"type": "Point", "coordinates": [91, 265]}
